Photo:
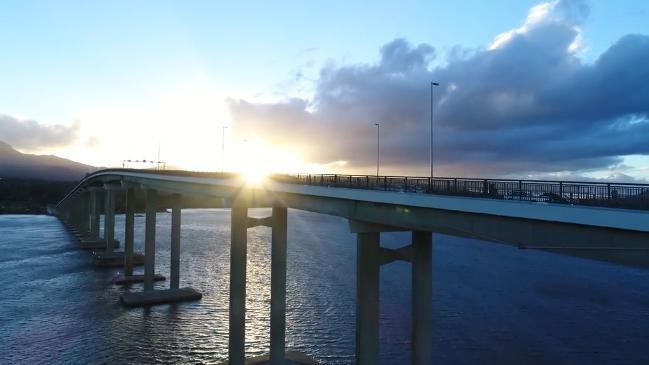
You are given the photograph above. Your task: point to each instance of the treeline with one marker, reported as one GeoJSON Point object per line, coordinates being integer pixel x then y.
{"type": "Point", "coordinates": [25, 196]}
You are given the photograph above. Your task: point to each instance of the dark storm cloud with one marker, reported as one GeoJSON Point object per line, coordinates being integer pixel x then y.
{"type": "Point", "coordinates": [526, 104]}
{"type": "Point", "coordinates": [31, 135]}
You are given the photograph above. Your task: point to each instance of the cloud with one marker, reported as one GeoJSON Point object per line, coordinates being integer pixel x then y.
{"type": "Point", "coordinates": [525, 104]}
{"type": "Point", "coordinates": [31, 135]}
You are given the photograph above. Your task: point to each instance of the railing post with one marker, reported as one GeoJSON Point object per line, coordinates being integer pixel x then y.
{"type": "Point", "coordinates": [608, 191]}
{"type": "Point", "coordinates": [385, 183]}
{"type": "Point", "coordinates": [335, 180]}
{"type": "Point", "coordinates": [405, 184]}
{"type": "Point", "coordinates": [430, 184]}
{"type": "Point", "coordinates": [520, 190]}
{"type": "Point", "coordinates": [561, 190]}
{"type": "Point", "coordinates": [485, 188]}
{"type": "Point", "coordinates": [455, 185]}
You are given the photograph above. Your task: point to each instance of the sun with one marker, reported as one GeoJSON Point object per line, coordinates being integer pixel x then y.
{"type": "Point", "coordinates": [254, 176]}
{"type": "Point", "coordinates": [255, 160]}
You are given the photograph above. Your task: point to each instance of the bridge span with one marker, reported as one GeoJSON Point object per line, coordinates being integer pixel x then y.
{"type": "Point", "coordinates": [589, 219]}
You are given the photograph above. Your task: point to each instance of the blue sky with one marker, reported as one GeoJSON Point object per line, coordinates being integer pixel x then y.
{"type": "Point", "coordinates": [67, 62]}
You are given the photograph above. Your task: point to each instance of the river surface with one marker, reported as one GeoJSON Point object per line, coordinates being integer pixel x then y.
{"type": "Point", "coordinates": [493, 304]}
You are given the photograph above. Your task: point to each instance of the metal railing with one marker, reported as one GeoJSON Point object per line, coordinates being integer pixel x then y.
{"type": "Point", "coordinates": [613, 195]}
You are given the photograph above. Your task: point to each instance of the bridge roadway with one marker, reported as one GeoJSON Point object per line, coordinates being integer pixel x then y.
{"type": "Point", "coordinates": [607, 233]}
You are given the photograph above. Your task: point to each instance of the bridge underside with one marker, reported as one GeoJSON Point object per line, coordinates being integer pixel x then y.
{"type": "Point", "coordinates": [615, 245]}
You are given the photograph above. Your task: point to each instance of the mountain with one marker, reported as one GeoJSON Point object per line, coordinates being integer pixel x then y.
{"type": "Point", "coordinates": [14, 164]}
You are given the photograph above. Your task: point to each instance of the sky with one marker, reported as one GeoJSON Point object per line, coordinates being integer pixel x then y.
{"type": "Point", "coordinates": [527, 88]}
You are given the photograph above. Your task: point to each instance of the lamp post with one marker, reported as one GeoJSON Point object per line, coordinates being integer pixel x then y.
{"type": "Point", "coordinates": [378, 146]}
{"type": "Point", "coordinates": [432, 85]}
{"type": "Point", "coordinates": [223, 148]}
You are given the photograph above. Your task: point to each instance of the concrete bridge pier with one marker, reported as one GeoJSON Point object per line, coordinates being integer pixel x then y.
{"type": "Point", "coordinates": [129, 231]}
{"type": "Point", "coordinates": [109, 218]}
{"type": "Point", "coordinates": [129, 257]}
{"type": "Point", "coordinates": [108, 257]}
{"type": "Point", "coordinates": [93, 241]}
{"type": "Point", "coordinates": [149, 296]}
{"type": "Point", "coordinates": [238, 255]}
{"type": "Point", "coordinates": [278, 286]}
{"type": "Point", "coordinates": [149, 238]}
{"type": "Point", "coordinates": [370, 257]}
{"type": "Point", "coordinates": [94, 213]}
{"type": "Point", "coordinates": [74, 217]}
{"type": "Point", "coordinates": [278, 222]}
{"type": "Point", "coordinates": [84, 212]}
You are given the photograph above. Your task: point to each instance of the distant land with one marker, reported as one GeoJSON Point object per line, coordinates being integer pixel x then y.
{"type": "Point", "coordinates": [17, 165]}
{"type": "Point", "coordinates": [29, 182]}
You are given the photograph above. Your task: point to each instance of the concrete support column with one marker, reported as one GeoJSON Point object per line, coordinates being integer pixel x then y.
{"type": "Point", "coordinates": [238, 252]}
{"type": "Point", "coordinates": [149, 239]}
{"type": "Point", "coordinates": [84, 223]}
{"type": "Point", "coordinates": [75, 215]}
{"type": "Point", "coordinates": [94, 215]}
{"type": "Point", "coordinates": [175, 243]}
{"type": "Point", "coordinates": [109, 220]}
{"type": "Point", "coordinates": [367, 297]}
{"type": "Point", "coordinates": [129, 227]}
{"type": "Point", "coordinates": [278, 287]}
{"type": "Point", "coordinates": [422, 298]}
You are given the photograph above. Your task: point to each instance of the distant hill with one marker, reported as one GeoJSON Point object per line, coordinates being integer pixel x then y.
{"type": "Point", "coordinates": [17, 165]}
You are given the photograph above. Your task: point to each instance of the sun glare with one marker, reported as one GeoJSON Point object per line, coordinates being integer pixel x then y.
{"type": "Point", "coordinates": [254, 177]}
{"type": "Point", "coordinates": [255, 160]}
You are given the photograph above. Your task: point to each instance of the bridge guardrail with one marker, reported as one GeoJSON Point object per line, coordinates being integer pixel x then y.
{"type": "Point", "coordinates": [613, 195]}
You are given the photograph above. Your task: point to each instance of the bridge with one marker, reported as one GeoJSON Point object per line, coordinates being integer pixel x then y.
{"type": "Point", "coordinates": [607, 221]}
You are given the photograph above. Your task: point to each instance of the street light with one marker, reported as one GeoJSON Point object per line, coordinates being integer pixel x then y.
{"type": "Point", "coordinates": [378, 146]}
{"type": "Point", "coordinates": [223, 149]}
{"type": "Point", "coordinates": [432, 85]}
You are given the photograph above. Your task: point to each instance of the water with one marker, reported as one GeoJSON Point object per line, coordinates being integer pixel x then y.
{"type": "Point", "coordinates": [493, 304]}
